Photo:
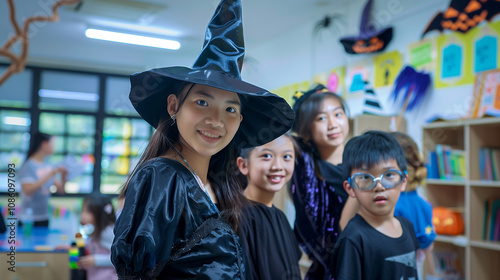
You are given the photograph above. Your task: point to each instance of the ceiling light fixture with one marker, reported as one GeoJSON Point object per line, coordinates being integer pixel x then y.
{"type": "Point", "coordinates": [132, 39]}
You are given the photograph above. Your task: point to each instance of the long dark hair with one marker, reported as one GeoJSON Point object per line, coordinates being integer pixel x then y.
{"type": "Point", "coordinates": [227, 186]}
{"type": "Point", "coordinates": [101, 208]}
{"type": "Point", "coordinates": [36, 142]}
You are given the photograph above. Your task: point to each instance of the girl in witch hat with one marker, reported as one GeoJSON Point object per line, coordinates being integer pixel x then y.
{"type": "Point", "coordinates": [183, 200]}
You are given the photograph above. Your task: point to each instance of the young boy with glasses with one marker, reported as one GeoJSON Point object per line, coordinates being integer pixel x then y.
{"type": "Point", "coordinates": [375, 244]}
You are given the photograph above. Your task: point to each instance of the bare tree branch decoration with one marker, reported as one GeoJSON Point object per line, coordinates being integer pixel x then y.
{"type": "Point", "coordinates": [18, 62]}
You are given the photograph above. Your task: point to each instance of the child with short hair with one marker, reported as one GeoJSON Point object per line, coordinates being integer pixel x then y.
{"type": "Point", "coordinates": [375, 244]}
{"type": "Point", "coordinates": [271, 250]}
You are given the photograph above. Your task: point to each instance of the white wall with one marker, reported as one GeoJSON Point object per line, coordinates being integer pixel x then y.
{"type": "Point", "coordinates": [288, 58]}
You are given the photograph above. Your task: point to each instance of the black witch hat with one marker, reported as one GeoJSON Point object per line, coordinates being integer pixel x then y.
{"type": "Point", "coordinates": [266, 116]}
{"type": "Point", "coordinates": [368, 40]}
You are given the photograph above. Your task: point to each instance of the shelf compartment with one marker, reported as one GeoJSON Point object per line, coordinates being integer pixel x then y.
{"type": "Point", "coordinates": [485, 135]}
{"type": "Point", "coordinates": [451, 135]}
{"type": "Point", "coordinates": [447, 249]}
{"type": "Point", "coordinates": [478, 197]}
{"type": "Point", "coordinates": [451, 196]}
{"type": "Point", "coordinates": [484, 263]}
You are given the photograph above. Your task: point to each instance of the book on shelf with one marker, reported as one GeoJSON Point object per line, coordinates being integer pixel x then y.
{"type": "Point", "coordinates": [447, 265]}
{"type": "Point", "coordinates": [497, 227]}
{"type": "Point", "coordinates": [491, 227]}
{"type": "Point", "coordinates": [489, 163]}
{"type": "Point", "coordinates": [450, 163]}
{"type": "Point", "coordinates": [432, 165]}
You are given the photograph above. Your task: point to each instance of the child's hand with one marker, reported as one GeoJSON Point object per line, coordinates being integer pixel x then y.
{"type": "Point", "coordinates": [86, 261]}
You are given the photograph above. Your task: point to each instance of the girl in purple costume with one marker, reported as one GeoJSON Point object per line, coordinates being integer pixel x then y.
{"type": "Point", "coordinates": [321, 203]}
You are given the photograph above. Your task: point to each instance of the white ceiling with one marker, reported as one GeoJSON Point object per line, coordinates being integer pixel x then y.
{"type": "Point", "coordinates": [64, 42]}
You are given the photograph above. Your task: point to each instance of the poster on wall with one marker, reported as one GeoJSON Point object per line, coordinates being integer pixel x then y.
{"type": "Point", "coordinates": [386, 68]}
{"type": "Point", "coordinates": [334, 80]}
{"type": "Point", "coordinates": [422, 55]}
{"type": "Point", "coordinates": [357, 74]}
{"type": "Point", "coordinates": [454, 57]}
{"type": "Point", "coordinates": [484, 49]}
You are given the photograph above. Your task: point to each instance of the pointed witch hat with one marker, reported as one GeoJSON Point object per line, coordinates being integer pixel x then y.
{"type": "Point", "coordinates": [266, 116]}
{"type": "Point", "coordinates": [368, 40]}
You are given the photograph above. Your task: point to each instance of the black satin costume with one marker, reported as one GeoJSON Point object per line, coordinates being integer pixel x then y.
{"type": "Point", "coordinates": [170, 229]}
{"type": "Point", "coordinates": [318, 207]}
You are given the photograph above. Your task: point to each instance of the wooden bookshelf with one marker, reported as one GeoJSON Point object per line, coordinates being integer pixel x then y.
{"type": "Point", "coordinates": [479, 259]}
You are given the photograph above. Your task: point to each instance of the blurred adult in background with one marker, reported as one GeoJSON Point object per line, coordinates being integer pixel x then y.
{"type": "Point", "coordinates": [36, 176]}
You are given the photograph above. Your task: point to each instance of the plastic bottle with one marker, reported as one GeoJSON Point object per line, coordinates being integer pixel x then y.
{"type": "Point", "coordinates": [27, 222]}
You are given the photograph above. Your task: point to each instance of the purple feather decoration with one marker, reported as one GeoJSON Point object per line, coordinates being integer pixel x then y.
{"type": "Point", "coordinates": [415, 86]}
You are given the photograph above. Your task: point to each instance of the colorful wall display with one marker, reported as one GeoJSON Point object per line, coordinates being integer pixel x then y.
{"type": "Point", "coordinates": [422, 55]}
{"type": "Point", "coordinates": [387, 67]}
{"type": "Point", "coordinates": [454, 57]}
{"type": "Point", "coordinates": [357, 74]}
{"type": "Point", "coordinates": [485, 42]}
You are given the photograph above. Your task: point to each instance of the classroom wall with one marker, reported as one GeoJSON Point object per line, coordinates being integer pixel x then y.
{"type": "Point", "coordinates": [289, 59]}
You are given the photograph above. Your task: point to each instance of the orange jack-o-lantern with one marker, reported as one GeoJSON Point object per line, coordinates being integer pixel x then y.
{"type": "Point", "coordinates": [447, 221]}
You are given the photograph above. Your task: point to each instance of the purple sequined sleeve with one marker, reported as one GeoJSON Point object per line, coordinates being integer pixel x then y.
{"type": "Point", "coordinates": [318, 204]}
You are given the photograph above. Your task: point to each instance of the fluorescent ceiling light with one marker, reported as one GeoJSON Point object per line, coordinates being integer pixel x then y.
{"type": "Point", "coordinates": [132, 39]}
{"type": "Point", "coordinates": [16, 121]}
{"type": "Point", "coordinates": [60, 94]}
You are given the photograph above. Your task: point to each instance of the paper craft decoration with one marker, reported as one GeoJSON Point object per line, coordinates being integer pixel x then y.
{"type": "Point", "coordinates": [386, 68]}
{"type": "Point", "coordinates": [369, 40]}
{"type": "Point", "coordinates": [463, 15]}
{"type": "Point", "coordinates": [372, 104]}
{"type": "Point", "coordinates": [486, 96]}
{"type": "Point", "coordinates": [415, 86]}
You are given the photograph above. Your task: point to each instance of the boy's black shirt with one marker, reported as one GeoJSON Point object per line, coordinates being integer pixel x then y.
{"type": "Point", "coordinates": [362, 252]}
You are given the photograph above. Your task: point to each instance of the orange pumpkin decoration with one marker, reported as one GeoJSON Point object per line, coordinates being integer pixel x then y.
{"type": "Point", "coordinates": [447, 221]}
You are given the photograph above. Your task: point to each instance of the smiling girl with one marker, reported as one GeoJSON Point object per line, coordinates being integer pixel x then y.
{"type": "Point", "coordinates": [183, 200]}
{"type": "Point", "coordinates": [321, 203]}
{"type": "Point", "coordinates": [272, 252]}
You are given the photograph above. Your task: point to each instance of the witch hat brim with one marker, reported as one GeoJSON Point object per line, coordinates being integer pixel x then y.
{"type": "Point", "coordinates": [266, 116]}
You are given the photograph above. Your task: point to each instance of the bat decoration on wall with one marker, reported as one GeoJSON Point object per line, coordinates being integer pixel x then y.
{"type": "Point", "coordinates": [463, 15]}
{"type": "Point", "coordinates": [369, 40]}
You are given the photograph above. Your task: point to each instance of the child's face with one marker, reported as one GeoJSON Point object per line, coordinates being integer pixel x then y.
{"type": "Point", "coordinates": [380, 200]}
{"type": "Point", "coordinates": [86, 217]}
{"type": "Point", "coordinates": [269, 166]}
{"type": "Point", "coordinates": [331, 126]}
{"type": "Point", "coordinates": [208, 119]}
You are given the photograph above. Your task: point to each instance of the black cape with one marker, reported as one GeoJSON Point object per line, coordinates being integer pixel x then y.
{"type": "Point", "coordinates": [270, 247]}
{"type": "Point", "coordinates": [170, 229]}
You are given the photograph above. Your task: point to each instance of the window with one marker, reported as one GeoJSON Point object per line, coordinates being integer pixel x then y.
{"type": "Point", "coordinates": [16, 91]}
{"type": "Point", "coordinates": [98, 134]}
{"type": "Point", "coordinates": [74, 142]}
{"type": "Point", "coordinates": [14, 141]}
{"type": "Point", "coordinates": [69, 91]}
{"type": "Point", "coordinates": [124, 140]}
